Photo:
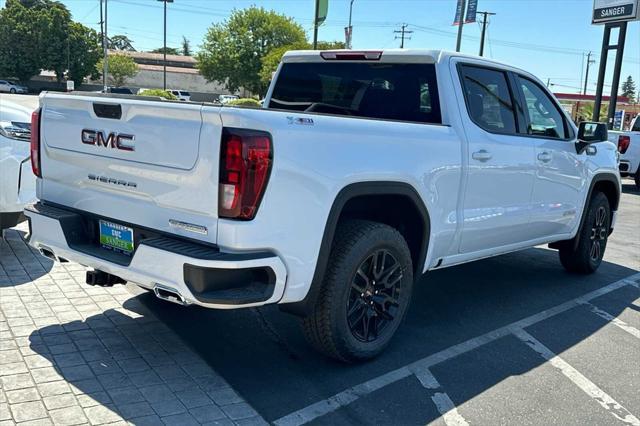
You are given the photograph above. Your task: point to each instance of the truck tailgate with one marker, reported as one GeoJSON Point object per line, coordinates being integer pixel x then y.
{"type": "Point", "coordinates": [132, 160]}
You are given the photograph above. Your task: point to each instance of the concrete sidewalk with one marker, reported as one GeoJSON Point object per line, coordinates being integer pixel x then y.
{"type": "Point", "coordinates": [75, 354]}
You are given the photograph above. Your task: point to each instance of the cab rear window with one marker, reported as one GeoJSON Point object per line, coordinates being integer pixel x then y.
{"type": "Point", "coordinates": [404, 92]}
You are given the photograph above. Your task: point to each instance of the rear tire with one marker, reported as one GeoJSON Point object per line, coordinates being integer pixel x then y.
{"type": "Point", "coordinates": [585, 258]}
{"type": "Point", "coordinates": [636, 178]}
{"type": "Point", "coordinates": [12, 91]}
{"type": "Point", "coordinates": [365, 293]}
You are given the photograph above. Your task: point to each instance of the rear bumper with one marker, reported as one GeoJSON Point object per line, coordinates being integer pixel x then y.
{"type": "Point", "coordinates": [200, 274]}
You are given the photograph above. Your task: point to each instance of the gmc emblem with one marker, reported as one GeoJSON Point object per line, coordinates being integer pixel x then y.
{"type": "Point", "coordinates": [112, 140]}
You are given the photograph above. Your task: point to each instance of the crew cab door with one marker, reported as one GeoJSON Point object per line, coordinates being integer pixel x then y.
{"type": "Point", "coordinates": [560, 172]}
{"type": "Point", "coordinates": [501, 165]}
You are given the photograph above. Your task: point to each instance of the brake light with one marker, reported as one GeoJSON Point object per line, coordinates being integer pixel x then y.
{"type": "Point", "coordinates": [245, 164]}
{"type": "Point", "coordinates": [623, 143]}
{"type": "Point", "coordinates": [35, 143]}
{"type": "Point", "coordinates": [371, 55]}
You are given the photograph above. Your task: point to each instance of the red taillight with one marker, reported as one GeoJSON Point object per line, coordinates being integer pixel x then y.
{"type": "Point", "coordinates": [350, 55]}
{"type": "Point", "coordinates": [245, 163]}
{"type": "Point", "coordinates": [35, 143]}
{"type": "Point", "coordinates": [623, 143]}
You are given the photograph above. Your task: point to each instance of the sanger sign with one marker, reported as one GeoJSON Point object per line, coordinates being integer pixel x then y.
{"type": "Point", "coordinates": [615, 10]}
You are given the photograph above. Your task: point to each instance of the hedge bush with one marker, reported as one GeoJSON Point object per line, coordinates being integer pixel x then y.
{"type": "Point", "coordinates": [158, 92]}
{"type": "Point", "coordinates": [244, 102]}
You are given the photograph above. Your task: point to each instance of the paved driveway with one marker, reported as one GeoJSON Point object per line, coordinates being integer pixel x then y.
{"type": "Point", "coordinates": [512, 339]}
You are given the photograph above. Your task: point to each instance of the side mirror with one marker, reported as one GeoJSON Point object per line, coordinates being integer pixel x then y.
{"type": "Point", "coordinates": [590, 132]}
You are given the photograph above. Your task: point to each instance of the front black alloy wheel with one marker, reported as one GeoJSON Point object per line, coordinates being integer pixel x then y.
{"type": "Point", "coordinates": [586, 256]}
{"type": "Point", "coordinates": [365, 292]}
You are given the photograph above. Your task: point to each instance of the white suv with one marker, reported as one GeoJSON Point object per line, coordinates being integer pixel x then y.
{"type": "Point", "coordinates": [182, 95]}
{"type": "Point", "coordinates": [17, 182]}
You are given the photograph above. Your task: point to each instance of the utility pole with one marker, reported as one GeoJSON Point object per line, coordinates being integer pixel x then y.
{"type": "Point", "coordinates": [463, 5]}
{"type": "Point", "coordinates": [105, 61]}
{"type": "Point", "coordinates": [350, 28]}
{"type": "Point", "coordinates": [586, 78]}
{"type": "Point", "coordinates": [403, 31]}
{"type": "Point", "coordinates": [485, 22]}
{"type": "Point", "coordinates": [164, 51]}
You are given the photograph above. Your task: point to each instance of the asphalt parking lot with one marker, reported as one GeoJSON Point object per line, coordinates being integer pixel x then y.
{"type": "Point", "coordinates": [513, 339]}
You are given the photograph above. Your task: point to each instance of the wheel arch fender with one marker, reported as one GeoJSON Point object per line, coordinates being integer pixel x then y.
{"type": "Point", "coordinates": [345, 195]}
{"type": "Point", "coordinates": [605, 182]}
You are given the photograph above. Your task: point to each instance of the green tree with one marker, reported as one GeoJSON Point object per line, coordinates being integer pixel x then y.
{"type": "Point", "coordinates": [120, 42]}
{"type": "Point", "coordinates": [170, 50]}
{"type": "Point", "coordinates": [121, 67]}
{"type": "Point", "coordinates": [54, 20]}
{"type": "Point", "coordinates": [272, 59]}
{"type": "Point", "coordinates": [629, 89]}
{"type": "Point", "coordinates": [19, 41]}
{"type": "Point", "coordinates": [585, 113]}
{"type": "Point", "coordinates": [84, 52]}
{"type": "Point", "coordinates": [186, 46]}
{"type": "Point", "coordinates": [233, 50]}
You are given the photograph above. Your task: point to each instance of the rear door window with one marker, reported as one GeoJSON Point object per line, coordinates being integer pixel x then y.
{"type": "Point", "coordinates": [488, 97]}
{"type": "Point", "coordinates": [404, 92]}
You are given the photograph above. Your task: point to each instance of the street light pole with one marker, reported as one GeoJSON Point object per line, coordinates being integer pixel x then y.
{"type": "Point", "coordinates": [164, 50]}
{"type": "Point", "coordinates": [315, 25]}
{"type": "Point", "coordinates": [349, 44]}
{"type": "Point", "coordinates": [105, 61]}
{"type": "Point", "coordinates": [463, 5]}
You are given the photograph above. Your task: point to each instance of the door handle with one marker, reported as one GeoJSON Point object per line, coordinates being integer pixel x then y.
{"type": "Point", "coordinates": [545, 157]}
{"type": "Point", "coordinates": [483, 155]}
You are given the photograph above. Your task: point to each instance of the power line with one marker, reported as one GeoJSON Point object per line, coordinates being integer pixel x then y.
{"type": "Point", "coordinates": [403, 31]}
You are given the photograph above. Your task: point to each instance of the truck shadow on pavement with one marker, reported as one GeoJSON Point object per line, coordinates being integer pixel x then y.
{"type": "Point", "coordinates": [261, 353]}
{"type": "Point", "coordinates": [21, 264]}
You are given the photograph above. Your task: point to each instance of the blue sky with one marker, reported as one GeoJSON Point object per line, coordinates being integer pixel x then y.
{"type": "Point", "coordinates": [546, 37]}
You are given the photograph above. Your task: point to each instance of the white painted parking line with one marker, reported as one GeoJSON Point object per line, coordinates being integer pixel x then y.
{"type": "Point", "coordinates": [443, 403]}
{"type": "Point", "coordinates": [346, 397]}
{"type": "Point", "coordinates": [341, 399]}
{"type": "Point", "coordinates": [586, 385]}
{"type": "Point", "coordinates": [615, 321]}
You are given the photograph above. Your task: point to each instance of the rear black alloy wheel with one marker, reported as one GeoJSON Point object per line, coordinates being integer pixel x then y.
{"type": "Point", "coordinates": [373, 299]}
{"type": "Point", "coordinates": [365, 292]}
{"type": "Point", "coordinates": [584, 256]}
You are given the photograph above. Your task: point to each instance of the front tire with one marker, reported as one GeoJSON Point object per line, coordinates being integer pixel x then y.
{"type": "Point", "coordinates": [365, 293]}
{"type": "Point", "coordinates": [585, 258]}
{"type": "Point", "coordinates": [12, 91]}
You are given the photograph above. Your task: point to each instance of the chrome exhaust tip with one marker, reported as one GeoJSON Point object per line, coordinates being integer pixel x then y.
{"type": "Point", "coordinates": [169, 294]}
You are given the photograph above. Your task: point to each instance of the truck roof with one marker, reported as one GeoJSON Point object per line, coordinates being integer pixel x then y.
{"type": "Point", "coordinates": [381, 55]}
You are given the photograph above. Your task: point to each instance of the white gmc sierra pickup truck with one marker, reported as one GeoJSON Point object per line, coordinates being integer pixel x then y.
{"type": "Point", "coordinates": [362, 171]}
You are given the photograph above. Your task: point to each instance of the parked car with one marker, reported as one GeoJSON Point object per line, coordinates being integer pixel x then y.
{"type": "Point", "coordinates": [118, 90]}
{"type": "Point", "coordinates": [223, 99]}
{"type": "Point", "coordinates": [629, 146]}
{"type": "Point", "coordinates": [182, 95]}
{"type": "Point", "coordinates": [12, 87]}
{"type": "Point", "coordinates": [333, 199]}
{"type": "Point", "coordinates": [17, 182]}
